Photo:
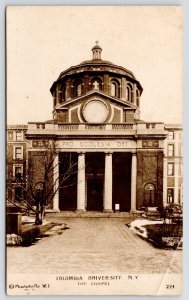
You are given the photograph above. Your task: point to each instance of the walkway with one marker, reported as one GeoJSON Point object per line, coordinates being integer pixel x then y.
{"type": "Point", "coordinates": [92, 245]}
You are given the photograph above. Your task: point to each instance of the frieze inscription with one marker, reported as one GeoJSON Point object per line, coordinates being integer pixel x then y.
{"type": "Point", "coordinates": [88, 144]}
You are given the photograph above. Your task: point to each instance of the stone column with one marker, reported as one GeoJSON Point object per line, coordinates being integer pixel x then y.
{"type": "Point", "coordinates": [133, 181]}
{"type": "Point", "coordinates": [56, 182]}
{"type": "Point", "coordinates": [81, 182]}
{"type": "Point", "coordinates": [108, 183]}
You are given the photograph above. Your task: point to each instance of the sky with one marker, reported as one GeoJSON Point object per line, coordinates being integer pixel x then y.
{"type": "Point", "coordinates": [44, 41]}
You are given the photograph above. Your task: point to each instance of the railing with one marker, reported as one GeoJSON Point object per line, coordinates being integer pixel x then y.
{"type": "Point", "coordinates": [68, 127]}
{"type": "Point", "coordinates": [95, 127]}
{"type": "Point", "coordinates": [82, 126]}
{"type": "Point", "coordinates": [122, 126]}
{"type": "Point", "coordinates": [140, 127]}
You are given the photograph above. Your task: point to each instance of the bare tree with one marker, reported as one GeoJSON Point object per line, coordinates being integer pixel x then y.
{"type": "Point", "coordinates": [41, 180]}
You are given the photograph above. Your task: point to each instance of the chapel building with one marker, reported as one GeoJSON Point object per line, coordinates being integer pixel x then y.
{"type": "Point", "coordinates": [96, 120]}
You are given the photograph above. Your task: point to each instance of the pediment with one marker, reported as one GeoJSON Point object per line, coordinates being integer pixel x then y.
{"type": "Point", "coordinates": [95, 94]}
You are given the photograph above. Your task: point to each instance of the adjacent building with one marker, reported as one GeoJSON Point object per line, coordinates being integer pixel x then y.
{"type": "Point", "coordinates": [16, 159]}
{"type": "Point", "coordinates": [173, 164]}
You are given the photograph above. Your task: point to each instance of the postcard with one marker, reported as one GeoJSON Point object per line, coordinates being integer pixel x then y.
{"type": "Point", "coordinates": [94, 150]}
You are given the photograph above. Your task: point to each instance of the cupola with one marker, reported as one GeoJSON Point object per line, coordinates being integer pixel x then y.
{"type": "Point", "coordinates": [97, 51]}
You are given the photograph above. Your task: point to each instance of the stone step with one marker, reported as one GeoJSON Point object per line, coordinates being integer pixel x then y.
{"type": "Point", "coordinates": [91, 214]}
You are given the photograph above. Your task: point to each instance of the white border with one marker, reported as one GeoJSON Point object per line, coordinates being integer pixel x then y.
{"type": "Point", "coordinates": [3, 4]}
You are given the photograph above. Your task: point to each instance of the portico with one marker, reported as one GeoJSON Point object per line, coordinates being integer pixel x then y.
{"type": "Point", "coordinates": [101, 182]}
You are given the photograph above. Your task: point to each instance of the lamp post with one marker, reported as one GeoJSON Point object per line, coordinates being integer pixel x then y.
{"type": "Point", "coordinates": [150, 198]}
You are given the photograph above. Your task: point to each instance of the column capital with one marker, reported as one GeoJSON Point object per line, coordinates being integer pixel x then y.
{"type": "Point", "coordinates": [81, 152]}
{"type": "Point", "coordinates": [134, 153]}
{"type": "Point", "coordinates": [108, 152]}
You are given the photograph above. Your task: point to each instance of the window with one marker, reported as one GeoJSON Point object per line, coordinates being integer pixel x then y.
{"type": "Point", "coordinates": [170, 169]}
{"type": "Point", "coordinates": [18, 153]}
{"type": "Point", "coordinates": [61, 94]}
{"type": "Point", "coordinates": [18, 135]}
{"type": "Point", "coordinates": [170, 195]}
{"type": "Point", "coordinates": [18, 172]}
{"type": "Point", "coordinates": [129, 93]}
{"type": "Point", "coordinates": [78, 92]}
{"type": "Point", "coordinates": [64, 93]}
{"type": "Point", "coordinates": [171, 135]}
{"type": "Point", "coordinates": [114, 89]}
{"type": "Point", "coordinates": [18, 193]}
{"type": "Point", "coordinates": [170, 151]}
{"type": "Point", "coordinates": [17, 169]}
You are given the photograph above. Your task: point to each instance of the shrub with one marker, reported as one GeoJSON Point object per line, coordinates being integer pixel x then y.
{"type": "Point", "coordinates": [29, 236]}
{"type": "Point", "coordinates": [162, 234]}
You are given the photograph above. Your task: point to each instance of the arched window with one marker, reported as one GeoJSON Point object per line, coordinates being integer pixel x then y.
{"type": "Point", "coordinates": [115, 89]}
{"type": "Point", "coordinates": [78, 88]}
{"type": "Point", "coordinates": [96, 84]}
{"type": "Point", "coordinates": [129, 93]}
{"type": "Point", "coordinates": [78, 91]}
{"type": "Point", "coordinates": [58, 93]}
{"type": "Point", "coordinates": [62, 93]}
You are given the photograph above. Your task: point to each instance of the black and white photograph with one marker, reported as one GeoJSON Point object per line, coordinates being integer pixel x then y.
{"type": "Point", "coordinates": [94, 158]}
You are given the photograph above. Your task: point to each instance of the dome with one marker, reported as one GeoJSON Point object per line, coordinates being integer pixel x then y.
{"type": "Point", "coordinates": [82, 78]}
{"type": "Point", "coordinates": [96, 61]}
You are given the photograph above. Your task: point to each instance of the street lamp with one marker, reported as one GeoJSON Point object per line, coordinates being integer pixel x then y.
{"type": "Point", "coordinates": [150, 198]}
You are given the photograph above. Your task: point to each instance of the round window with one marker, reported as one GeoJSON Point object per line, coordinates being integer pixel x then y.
{"type": "Point", "coordinates": [95, 111]}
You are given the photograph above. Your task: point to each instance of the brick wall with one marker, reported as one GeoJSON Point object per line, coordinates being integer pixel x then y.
{"type": "Point", "coordinates": [149, 171]}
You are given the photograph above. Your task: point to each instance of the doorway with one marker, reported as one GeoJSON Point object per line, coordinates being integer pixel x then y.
{"type": "Point", "coordinates": [68, 181]}
{"type": "Point", "coordinates": [121, 170]}
{"type": "Point", "coordinates": [95, 181]}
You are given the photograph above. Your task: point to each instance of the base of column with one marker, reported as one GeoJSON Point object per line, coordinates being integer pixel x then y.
{"type": "Point", "coordinates": [107, 210]}
{"type": "Point", "coordinates": [81, 210]}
